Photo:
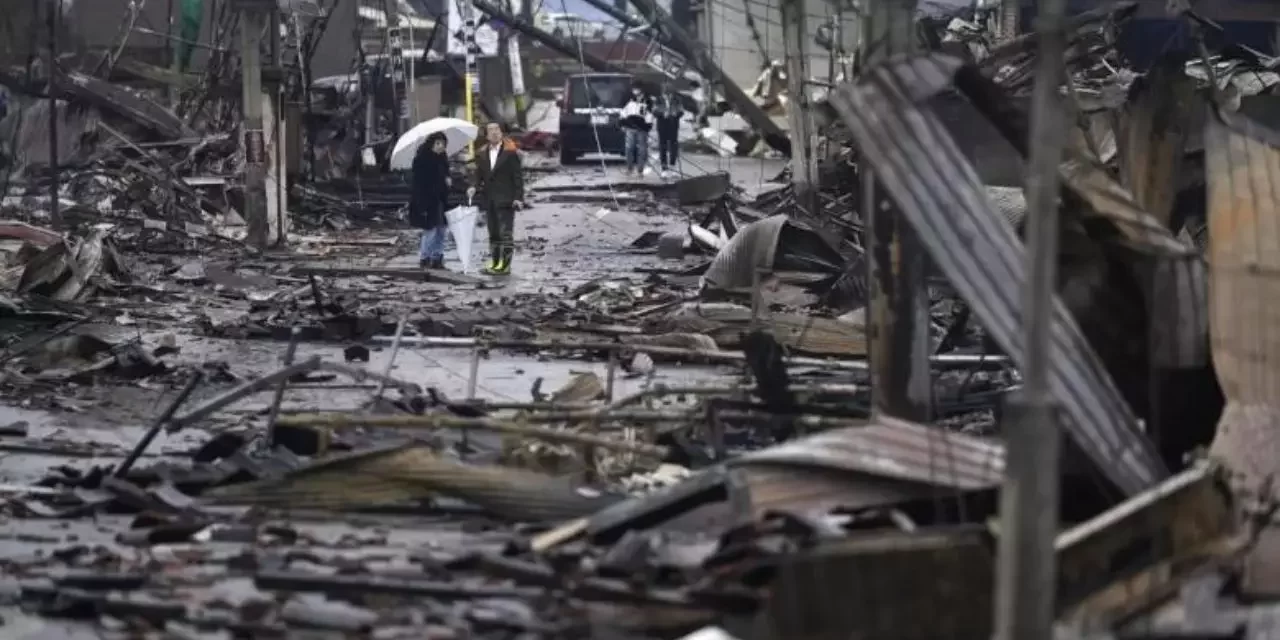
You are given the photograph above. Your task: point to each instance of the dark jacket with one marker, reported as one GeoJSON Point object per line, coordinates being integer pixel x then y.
{"type": "Point", "coordinates": [429, 191]}
{"type": "Point", "coordinates": [667, 107]}
{"type": "Point", "coordinates": [503, 184]}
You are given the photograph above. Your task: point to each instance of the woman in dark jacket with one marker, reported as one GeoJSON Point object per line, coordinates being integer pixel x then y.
{"type": "Point", "coordinates": [427, 200]}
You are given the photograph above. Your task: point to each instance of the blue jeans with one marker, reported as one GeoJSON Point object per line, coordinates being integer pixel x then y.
{"type": "Point", "coordinates": [637, 149]}
{"type": "Point", "coordinates": [432, 244]}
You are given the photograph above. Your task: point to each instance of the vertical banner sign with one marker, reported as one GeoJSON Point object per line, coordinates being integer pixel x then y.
{"type": "Point", "coordinates": [517, 69]}
{"type": "Point", "coordinates": [398, 78]}
{"type": "Point", "coordinates": [255, 147]}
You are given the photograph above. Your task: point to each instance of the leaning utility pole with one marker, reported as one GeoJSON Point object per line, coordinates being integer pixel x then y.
{"type": "Point", "coordinates": [898, 305]}
{"type": "Point", "coordinates": [1026, 561]}
{"type": "Point", "coordinates": [794, 41]}
{"type": "Point", "coordinates": [55, 186]}
{"type": "Point", "coordinates": [253, 23]}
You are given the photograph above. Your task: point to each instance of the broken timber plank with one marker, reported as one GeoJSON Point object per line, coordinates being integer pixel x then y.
{"type": "Point", "coordinates": [1116, 565]}
{"type": "Point", "coordinates": [1137, 554]}
{"type": "Point", "coordinates": [425, 275]}
{"type": "Point", "coordinates": [143, 112]}
{"type": "Point", "coordinates": [877, 585]}
{"type": "Point", "coordinates": [938, 191]}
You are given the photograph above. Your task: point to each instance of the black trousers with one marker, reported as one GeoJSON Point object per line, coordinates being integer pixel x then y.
{"type": "Point", "coordinates": [668, 141]}
{"type": "Point", "coordinates": [501, 220]}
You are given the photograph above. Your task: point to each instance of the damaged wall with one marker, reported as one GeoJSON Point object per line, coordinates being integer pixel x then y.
{"type": "Point", "coordinates": [99, 22]}
{"type": "Point", "coordinates": [27, 127]}
{"type": "Point", "coordinates": [1151, 32]}
{"type": "Point", "coordinates": [735, 46]}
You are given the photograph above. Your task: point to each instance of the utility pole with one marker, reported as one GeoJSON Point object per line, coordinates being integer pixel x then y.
{"type": "Point", "coordinates": [794, 40]}
{"type": "Point", "coordinates": [898, 305]}
{"type": "Point", "coordinates": [273, 129]}
{"type": "Point", "coordinates": [55, 179]}
{"type": "Point", "coordinates": [517, 65]}
{"type": "Point", "coordinates": [471, 81]}
{"type": "Point", "coordinates": [253, 23]}
{"type": "Point", "coordinates": [395, 38]}
{"type": "Point", "coordinates": [1026, 562]}
{"type": "Point", "coordinates": [517, 68]}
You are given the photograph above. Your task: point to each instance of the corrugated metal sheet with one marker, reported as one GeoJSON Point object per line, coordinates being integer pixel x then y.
{"type": "Point", "coordinates": [894, 449]}
{"type": "Point", "coordinates": [1179, 311]}
{"type": "Point", "coordinates": [1243, 179]}
{"type": "Point", "coordinates": [1156, 122]}
{"type": "Point", "coordinates": [1242, 164]}
{"type": "Point", "coordinates": [939, 193]}
{"type": "Point", "coordinates": [776, 242]}
{"type": "Point", "coordinates": [754, 246]}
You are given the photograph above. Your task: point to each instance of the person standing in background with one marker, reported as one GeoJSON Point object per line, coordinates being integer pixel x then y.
{"type": "Point", "coordinates": [636, 120]}
{"type": "Point", "coordinates": [428, 197]}
{"type": "Point", "coordinates": [500, 179]}
{"type": "Point", "coordinates": [668, 112]}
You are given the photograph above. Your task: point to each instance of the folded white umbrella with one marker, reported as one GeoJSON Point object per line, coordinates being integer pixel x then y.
{"type": "Point", "coordinates": [457, 134]}
{"type": "Point", "coordinates": [462, 224]}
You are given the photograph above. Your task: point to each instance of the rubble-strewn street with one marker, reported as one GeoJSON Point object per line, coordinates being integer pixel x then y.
{"type": "Point", "coordinates": [970, 340]}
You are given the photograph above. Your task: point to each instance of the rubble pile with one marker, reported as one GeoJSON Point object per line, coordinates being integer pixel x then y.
{"type": "Point", "coordinates": [715, 462]}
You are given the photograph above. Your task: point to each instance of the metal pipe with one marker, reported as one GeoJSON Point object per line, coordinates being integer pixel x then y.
{"type": "Point", "coordinates": [391, 361]}
{"type": "Point", "coordinates": [726, 357]}
{"type": "Point", "coordinates": [1026, 562]}
{"type": "Point", "coordinates": [274, 412]}
{"type": "Point", "coordinates": [155, 427]}
{"type": "Point", "coordinates": [240, 392]}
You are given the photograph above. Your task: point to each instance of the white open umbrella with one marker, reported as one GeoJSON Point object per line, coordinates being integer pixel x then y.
{"type": "Point", "coordinates": [457, 134]}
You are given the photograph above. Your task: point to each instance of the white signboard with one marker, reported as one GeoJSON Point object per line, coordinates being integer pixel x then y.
{"type": "Point", "coordinates": [517, 69]}
{"type": "Point", "coordinates": [486, 36]}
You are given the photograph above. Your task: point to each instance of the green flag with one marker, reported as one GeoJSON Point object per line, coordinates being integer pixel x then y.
{"type": "Point", "coordinates": [189, 30]}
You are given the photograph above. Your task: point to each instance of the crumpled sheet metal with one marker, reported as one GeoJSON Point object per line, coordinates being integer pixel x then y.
{"type": "Point", "coordinates": [757, 246]}
{"type": "Point", "coordinates": [894, 449]}
{"type": "Point", "coordinates": [754, 247]}
{"type": "Point", "coordinates": [1179, 312]}
{"type": "Point", "coordinates": [1157, 122]}
{"type": "Point", "coordinates": [1138, 229]}
{"type": "Point", "coordinates": [938, 191]}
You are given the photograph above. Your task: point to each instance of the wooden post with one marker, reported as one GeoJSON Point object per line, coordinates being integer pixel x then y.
{"type": "Point", "coordinates": [1009, 18]}
{"type": "Point", "coordinates": [898, 303]}
{"type": "Point", "coordinates": [253, 23]}
{"type": "Point", "coordinates": [1026, 560]}
{"type": "Point", "coordinates": [794, 39]}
